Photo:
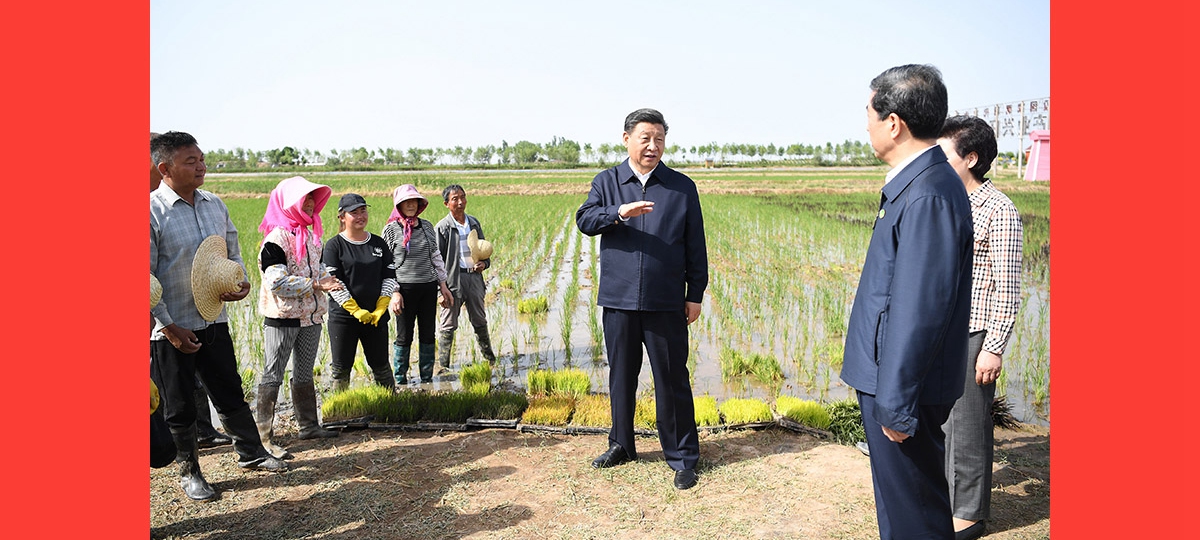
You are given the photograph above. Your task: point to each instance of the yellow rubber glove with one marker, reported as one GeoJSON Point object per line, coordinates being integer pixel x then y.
{"type": "Point", "coordinates": [361, 314]}
{"type": "Point", "coordinates": [381, 306]}
{"type": "Point", "coordinates": [153, 396]}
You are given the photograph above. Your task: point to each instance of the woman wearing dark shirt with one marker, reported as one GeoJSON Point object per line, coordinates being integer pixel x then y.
{"type": "Point", "coordinates": [363, 263]}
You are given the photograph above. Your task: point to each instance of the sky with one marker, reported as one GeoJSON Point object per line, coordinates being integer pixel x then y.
{"type": "Point", "coordinates": [325, 75]}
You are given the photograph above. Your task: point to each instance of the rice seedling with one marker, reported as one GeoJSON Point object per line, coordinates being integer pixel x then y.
{"type": "Point", "coordinates": [537, 382]}
{"type": "Point", "coordinates": [548, 410]}
{"type": "Point", "coordinates": [706, 411]}
{"type": "Point", "coordinates": [506, 284]}
{"type": "Point", "coordinates": [807, 412]}
{"type": "Point", "coordinates": [592, 410]}
{"type": "Point", "coordinates": [360, 367]}
{"type": "Point", "coordinates": [1002, 416]}
{"type": "Point", "coordinates": [571, 382]}
{"type": "Point", "coordinates": [453, 407]}
{"type": "Point", "coordinates": [645, 414]}
{"type": "Point", "coordinates": [845, 422]}
{"type": "Point", "coordinates": [477, 374]}
{"type": "Point", "coordinates": [537, 304]}
{"type": "Point", "coordinates": [501, 405]}
{"type": "Point", "coordinates": [355, 403]}
{"type": "Point", "coordinates": [762, 367]}
{"type": "Point", "coordinates": [404, 407]}
{"type": "Point", "coordinates": [745, 411]}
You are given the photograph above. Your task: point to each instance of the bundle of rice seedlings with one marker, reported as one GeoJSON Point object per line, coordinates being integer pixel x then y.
{"type": "Point", "coordinates": [453, 407]}
{"type": "Point", "coordinates": [645, 415]}
{"type": "Point", "coordinates": [592, 410]}
{"type": "Point", "coordinates": [804, 411]}
{"type": "Point", "coordinates": [548, 411]}
{"type": "Point", "coordinates": [355, 403]}
{"type": "Point", "coordinates": [706, 411]}
{"type": "Point", "coordinates": [537, 382]}
{"type": "Point", "coordinates": [404, 408]}
{"type": "Point", "coordinates": [475, 374]}
{"type": "Point", "coordinates": [501, 405]}
{"type": "Point", "coordinates": [1002, 415]}
{"type": "Point", "coordinates": [845, 422]}
{"type": "Point", "coordinates": [745, 411]}
{"type": "Point", "coordinates": [537, 304]}
{"type": "Point", "coordinates": [763, 367]}
{"type": "Point", "coordinates": [570, 382]}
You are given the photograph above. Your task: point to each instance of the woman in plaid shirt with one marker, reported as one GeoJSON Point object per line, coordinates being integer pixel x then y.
{"type": "Point", "coordinates": [970, 146]}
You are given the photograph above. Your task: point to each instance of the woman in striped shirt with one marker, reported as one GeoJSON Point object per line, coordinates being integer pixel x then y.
{"type": "Point", "coordinates": [421, 276]}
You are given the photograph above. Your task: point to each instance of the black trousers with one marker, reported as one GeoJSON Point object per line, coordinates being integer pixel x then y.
{"type": "Point", "coordinates": [665, 336]}
{"type": "Point", "coordinates": [912, 497]}
{"type": "Point", "coordinates": [420, 307]}
{"type": "Point", "coordinates": [215, 363]}
{"type": "Point", "coordinates": [344, 337]}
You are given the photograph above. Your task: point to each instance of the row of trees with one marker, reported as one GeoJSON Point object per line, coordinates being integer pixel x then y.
{"type": "Point", "coordinates": [559, 150]}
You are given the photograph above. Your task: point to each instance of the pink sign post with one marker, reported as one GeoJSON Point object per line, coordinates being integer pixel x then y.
{"type": "Point", "coordinates": [1038, 167]}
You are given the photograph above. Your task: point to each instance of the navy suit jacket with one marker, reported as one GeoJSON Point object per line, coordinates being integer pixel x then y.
{"type": "Point", "coordinates": [907, 338]}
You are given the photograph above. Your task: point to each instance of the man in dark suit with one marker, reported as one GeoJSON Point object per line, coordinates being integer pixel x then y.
{"type": "Point", "coordinates": [653, 273]}
{"type": "Point", "coordinates": [906, 345]}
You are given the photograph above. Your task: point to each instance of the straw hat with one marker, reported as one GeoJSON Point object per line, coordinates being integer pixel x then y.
{"type": "Point", "coordinates": [213, 274]}
{"type": "Point", "coordinates": [480, 249]}
{"type": "Point", "coordinates": [155, 291]}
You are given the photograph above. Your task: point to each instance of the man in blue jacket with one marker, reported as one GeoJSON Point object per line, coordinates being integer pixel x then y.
{"type": "Point", "coordinates": [906, 345]}
{"type": "Point", "coordinates": [653, 272]}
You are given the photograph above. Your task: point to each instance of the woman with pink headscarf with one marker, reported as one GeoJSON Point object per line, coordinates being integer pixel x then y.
{"type": "Point", "coordinates": [291, 301]}
{"type": "Point", "coordinates": [421, 275]}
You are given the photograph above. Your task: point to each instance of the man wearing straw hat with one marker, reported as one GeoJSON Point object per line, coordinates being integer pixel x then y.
{"type": "Point", "coordinates": [466, 255]}
{"type": "Point", "coordinates": [194, 254]}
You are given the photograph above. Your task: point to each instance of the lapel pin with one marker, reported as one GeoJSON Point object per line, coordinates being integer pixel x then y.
{"type": "Point", "coordinates": [881, 213]}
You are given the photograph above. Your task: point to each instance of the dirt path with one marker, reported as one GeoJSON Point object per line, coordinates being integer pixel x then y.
{"type": "Point", "coordinates": [505, 484]}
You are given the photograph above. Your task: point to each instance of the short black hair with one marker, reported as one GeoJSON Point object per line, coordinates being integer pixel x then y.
{"type": "Point", "coordinates": [916, 94]}
{"type": "Point", "coordinates": [972, 134]}
{"type": "Point", "coordinates": [164, 147]}
{"type": "Point", "coordinates": [451, 189]}
{"type": "Point", "coordinates": [650, 116]}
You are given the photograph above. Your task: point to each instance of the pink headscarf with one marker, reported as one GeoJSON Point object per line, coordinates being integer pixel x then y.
{"type": "Point", "coordinates": [399, 195]}
{"type": "Point", "coordinates": [285, 210]}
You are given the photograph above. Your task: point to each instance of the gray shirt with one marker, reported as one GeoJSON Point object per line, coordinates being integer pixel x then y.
{"type": "Point", "coordinates": [176, 230]}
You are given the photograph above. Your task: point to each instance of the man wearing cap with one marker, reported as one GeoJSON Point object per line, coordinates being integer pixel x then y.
{"type": "Point", "coordinates": [464, 275]}
{"type": "Point", "coordinates": [189, 338]}
{"type": "Point", "coordinates": [653, 273]}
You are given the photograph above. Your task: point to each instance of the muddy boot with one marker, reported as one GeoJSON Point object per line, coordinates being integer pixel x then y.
{"type": "Point", "coordinates": [304, 402]}
{"type": "Point", "coordinates": [400, 363]}
{"type": "Point", "coordinates": [425, 360]}
{"type": "Point", "coordinates": [190, 478]}
{"type": "Point", "coordinates": [444, 345]}
{"type": "Point", "coordinates": [485, 343]}
{"type": "Point", "coordinates": [207, 436]}
{"type": "Point", "coordinates": [242, 428]}
{"type": "Point", "coordinates": [268, 395]}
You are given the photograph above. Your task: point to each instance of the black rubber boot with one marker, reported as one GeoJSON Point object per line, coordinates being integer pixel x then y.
{"type": "Point", "coordinates": [444, 345]}
{"type": "Point", "coordinates": [207, 436]}
{"type": "Point", "coordinates": [190, 478]}
{"type": "Point", "coordinates": [485, 343]}
{"type": "Point", "coordinates": [425, 360]}
{"type": "Point", "coordinates": [400, 363]}
{"type": "Point", "coordinates": [304, 402]}
{"type": "Point", "coordinates": [251, 454]}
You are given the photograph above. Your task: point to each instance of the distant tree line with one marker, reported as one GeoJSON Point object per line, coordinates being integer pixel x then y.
{"type": "Point", "coordinates": [559, 152]}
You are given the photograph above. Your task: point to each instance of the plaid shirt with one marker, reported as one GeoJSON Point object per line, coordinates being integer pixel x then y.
{"type": "Point", "coordinates": [176, 230]}
{"type": "Point", "coordinates": [996, 274]}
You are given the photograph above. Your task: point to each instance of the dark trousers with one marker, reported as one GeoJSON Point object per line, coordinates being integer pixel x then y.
{"type": "Point", "coordinates": [664, 334]}
{"type": "Point", "coordinates": [344, 338]}
{"type": "Point", "coordinates": [420, 306]}
{"type": "Point", "coordinates": [912, 499]}
{"type": "Point", "coordinates": [970, 442]}
{"type": "Point", "coordinates": [215, 363]}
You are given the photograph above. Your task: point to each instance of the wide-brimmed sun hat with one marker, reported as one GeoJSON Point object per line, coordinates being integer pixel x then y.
{"type": "Point", "coordinates": [213, 274]}
{"type": "Point", "coordinates": [404, 193]}
{"type": "Point", "coordinates": [155, 291]}
{"type": "Point", "coordinates": [481, 250]}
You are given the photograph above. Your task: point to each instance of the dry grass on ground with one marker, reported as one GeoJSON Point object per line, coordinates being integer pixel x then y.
{"type": "Point", "coordinates": [505, 484]}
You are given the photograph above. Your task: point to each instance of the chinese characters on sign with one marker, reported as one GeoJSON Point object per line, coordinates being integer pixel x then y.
{"type": "Point", "coordinates": [1015, 119]}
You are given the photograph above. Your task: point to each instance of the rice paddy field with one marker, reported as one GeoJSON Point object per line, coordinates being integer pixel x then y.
{"type": "Point", "coordinates": [785, 250]}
